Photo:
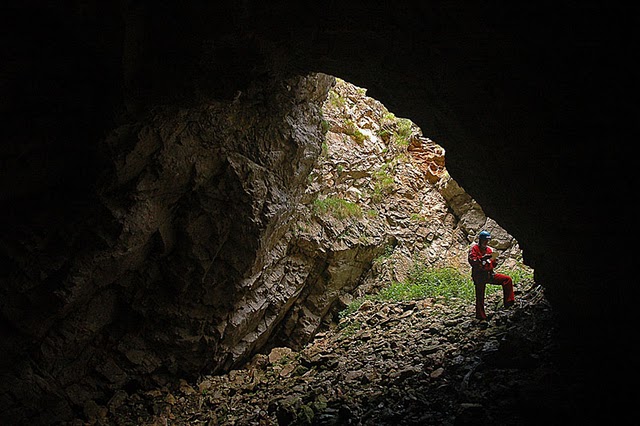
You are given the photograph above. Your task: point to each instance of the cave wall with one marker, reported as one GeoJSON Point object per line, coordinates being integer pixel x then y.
{"type": "Point", "coordinates": [177, 261]}
{"type": "Point", "coordinates": [527, 101]}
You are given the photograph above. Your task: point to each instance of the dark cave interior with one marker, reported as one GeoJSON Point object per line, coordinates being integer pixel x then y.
{"type": "Point", "coordinates": [528, 101]}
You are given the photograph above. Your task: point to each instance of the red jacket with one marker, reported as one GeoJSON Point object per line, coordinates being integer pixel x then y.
{"type": "Point", "coordinates": [477, 263]}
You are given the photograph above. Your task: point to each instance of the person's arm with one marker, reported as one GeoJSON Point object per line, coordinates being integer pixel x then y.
{"type": "Point", "coordinates": [475, 258]}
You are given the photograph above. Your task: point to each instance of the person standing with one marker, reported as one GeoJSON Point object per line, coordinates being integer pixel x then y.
{"type": "Point", "coordinates": [483, 262]}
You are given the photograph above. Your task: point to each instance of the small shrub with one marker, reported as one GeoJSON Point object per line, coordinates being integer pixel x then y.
{"type": "Point", "coordinates": [359, 137]}
{"type": "Point", "coordinates": [389, 117]}
{"type": "Point", "coordinates": [403, 133]}
{"type": "Point", "coordinates": [325, 150]}
{"type": "Point", "coordinates": [384, 133]}
{"type": "Point", "coordinates": [415, 217]}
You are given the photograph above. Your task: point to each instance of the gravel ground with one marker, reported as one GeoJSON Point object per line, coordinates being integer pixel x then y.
{"type": "Point", "coordinates": [423, 362]}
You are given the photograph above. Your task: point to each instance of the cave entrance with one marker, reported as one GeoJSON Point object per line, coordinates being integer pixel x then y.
{"type": "Point", "coordinates": [405, 348]}
{"type": "Point", "coordinates": [380, 178]}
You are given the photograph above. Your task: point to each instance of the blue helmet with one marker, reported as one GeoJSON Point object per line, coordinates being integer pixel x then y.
{"type": "Point", "coordinates": [484, 235]}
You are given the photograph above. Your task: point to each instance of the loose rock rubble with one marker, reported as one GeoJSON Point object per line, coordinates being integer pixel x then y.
{"type": "Point", "coordinates": [421, 362]}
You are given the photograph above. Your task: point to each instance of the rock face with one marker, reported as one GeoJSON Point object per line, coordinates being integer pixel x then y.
{"type": "Point", "coordinates": [186, 268]}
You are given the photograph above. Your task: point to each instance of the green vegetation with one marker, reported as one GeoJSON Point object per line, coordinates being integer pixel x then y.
{"type": "Point", "coordinates": [372, 213]}
{"type": "Point", "coordinates": [352, 307]}
{"type": "Point", "coordinates": [387, 125]}
{"type": "Point", "coordinates": [383, 184]}
{"type": "Point", "coordinates": [426, 282]}
{"type": "Point", "coordinates": [415, 217]}
{"type": "Point", "coordinates": [398, 130]}
{"type": "Point", "coordinates": [325, 125]}
{"type": "Point", "coordinates": [388, 251]}
{"type": "Point", "coordinates": [351, 328]}
{"type": "Point", "coordinates": [337, 207]}
{"type": "Point", "coordinates": [352, 130]}
{"type": "Point", "coordinates": [403, 134]}
{"type": "Point", "coordinates": [520, 275]}
{"type": "Point", "coordinates": [389, 117]}
{"type": "Point", "coordinates": [423, 282]}
{"type": "Point", "coordinates": [336, 100]}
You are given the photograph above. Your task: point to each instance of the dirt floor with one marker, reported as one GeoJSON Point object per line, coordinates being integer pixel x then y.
{"type": "Point", "coordinates": [422, 362]}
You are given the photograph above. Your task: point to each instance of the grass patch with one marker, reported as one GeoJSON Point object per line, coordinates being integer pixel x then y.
{"type": "Point", "coordinates": [336, 100]}
{"type": "Point", "coordinates": [325, 125]}
{"type": "Point", "coordinates": [415, 217]}
{"type": "Point", "coordinates": [403, 133]}
{"type": "Point", "coordinates": [383, 184]}
{"type": "Point", "coordinates": [426, 282]}
{"type": "Point", "coordinates": [337, 207]}
{"type": "Point", "coordinates": [520, 276]}
{"type": "Point", "coordinates": [423, 282]}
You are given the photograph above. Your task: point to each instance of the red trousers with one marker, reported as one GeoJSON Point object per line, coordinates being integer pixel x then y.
{"type": "Point", "coordinates": [481, 280]}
